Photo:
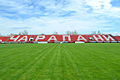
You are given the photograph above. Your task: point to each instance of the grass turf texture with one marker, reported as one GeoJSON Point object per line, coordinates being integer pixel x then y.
{"type": "Point", "coordinates": [60, 61]}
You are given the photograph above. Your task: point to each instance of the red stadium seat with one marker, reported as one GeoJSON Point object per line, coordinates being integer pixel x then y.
{"type": "Point", "coordinates": [104, 38]}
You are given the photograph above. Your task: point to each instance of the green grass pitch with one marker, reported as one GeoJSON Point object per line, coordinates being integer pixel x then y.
{"type": "Point", "coordinates": [88, 61]}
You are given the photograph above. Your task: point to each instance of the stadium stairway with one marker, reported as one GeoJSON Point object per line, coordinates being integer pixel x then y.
{"type": "Point", "coordinates": [115, 37]}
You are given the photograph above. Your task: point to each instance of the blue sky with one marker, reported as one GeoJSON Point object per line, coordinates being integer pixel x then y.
{"type": "Point", "coordinates": [48, 16]}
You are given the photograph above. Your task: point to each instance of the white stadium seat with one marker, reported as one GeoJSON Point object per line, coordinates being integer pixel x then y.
{"type": "Point", "coordinates": [42, 42]}
{"type": "Point", "coordinates": [79, 42]}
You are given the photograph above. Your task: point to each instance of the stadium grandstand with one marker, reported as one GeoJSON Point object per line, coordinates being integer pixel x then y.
{"type": "Point", "coordinates": [96, 38]}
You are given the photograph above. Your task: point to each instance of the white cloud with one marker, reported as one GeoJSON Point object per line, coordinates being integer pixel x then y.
{"type": "Point", "coordinates": [48, 25]}
{"type": "Point", "coordinates": [81, 20]}
{"type": "Point", "coordinates": [104, 7]}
